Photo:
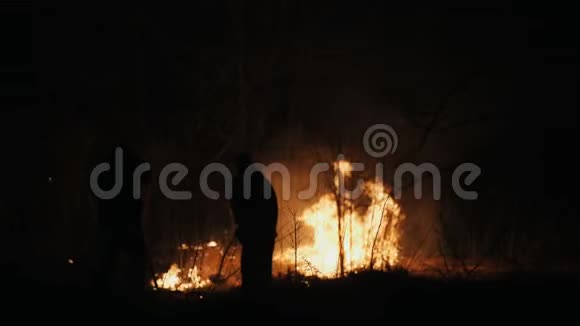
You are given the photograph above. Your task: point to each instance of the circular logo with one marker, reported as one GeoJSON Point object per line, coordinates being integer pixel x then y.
{"type": "Point", "coordinates": [379, 140]}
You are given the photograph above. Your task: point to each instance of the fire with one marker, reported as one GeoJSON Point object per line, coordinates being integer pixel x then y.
{"type": "Point", "coordinates": [176, 280]}
{"type": "Point", "coordinates": [212, 244]}
{"type": "Point", "coordinates": [202, 264]}
{"type": "Point", "coordinates": [345, 167]}
{"type": "Point", "coordinates": [370, 238]}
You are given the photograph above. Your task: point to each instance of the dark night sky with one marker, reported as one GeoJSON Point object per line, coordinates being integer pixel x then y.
{"type": "Point", "coordinates": [165, 79]}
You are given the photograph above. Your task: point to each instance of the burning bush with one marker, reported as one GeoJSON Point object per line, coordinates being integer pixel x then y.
{"type": "Point", "coordinates": [337, 235]}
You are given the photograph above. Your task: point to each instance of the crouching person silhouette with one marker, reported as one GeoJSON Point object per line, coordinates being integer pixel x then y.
{"type": "Point", "coordinates": [256, 214]}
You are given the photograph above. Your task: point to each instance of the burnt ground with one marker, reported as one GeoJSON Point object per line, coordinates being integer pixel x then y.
{"type": "Point", "coordinates": [390, 297]}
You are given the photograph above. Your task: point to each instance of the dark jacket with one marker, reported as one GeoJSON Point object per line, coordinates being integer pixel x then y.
{"type": "Point", "coordinates": [255, 216]}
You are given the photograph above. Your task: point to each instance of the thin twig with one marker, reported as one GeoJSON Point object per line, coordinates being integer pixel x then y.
{"type": "Point", "coordinates": [421, 243]}
{"type": "Point", "coordinates": [377, 234]}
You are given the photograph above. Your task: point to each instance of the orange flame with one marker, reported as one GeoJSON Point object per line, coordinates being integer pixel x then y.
{"type": "Point", "coordinates": [173, 280]}
{"type": "Point", "coordinates": [370, 239]}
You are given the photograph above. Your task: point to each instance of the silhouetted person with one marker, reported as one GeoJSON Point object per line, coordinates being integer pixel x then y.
{"type": "Point", "coordinates": [256, 217]}
{"type": "Point", "coordinates": [120, 227]}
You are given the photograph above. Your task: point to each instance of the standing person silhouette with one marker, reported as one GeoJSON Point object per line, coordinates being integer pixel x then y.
{"type": "Point", "coordinates": [256, 215]}
{"type": "Point", "coordinates": [120, 226]}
